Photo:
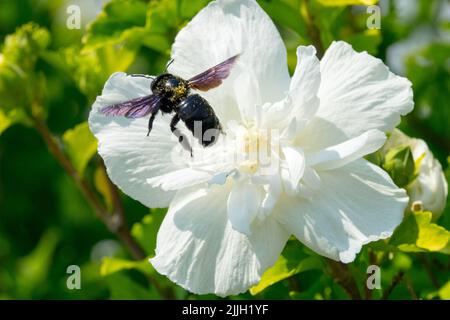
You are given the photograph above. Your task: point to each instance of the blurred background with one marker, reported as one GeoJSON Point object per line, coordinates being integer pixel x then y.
{"type": "Point", "coordinates": [50, 73]}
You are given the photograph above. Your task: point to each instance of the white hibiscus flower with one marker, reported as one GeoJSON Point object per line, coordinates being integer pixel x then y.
{"type": "Point", "coordinates": [230, 217]}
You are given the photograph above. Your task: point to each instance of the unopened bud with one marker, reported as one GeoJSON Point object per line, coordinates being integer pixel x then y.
{"type": "Point", "coordinates": [399, 163]}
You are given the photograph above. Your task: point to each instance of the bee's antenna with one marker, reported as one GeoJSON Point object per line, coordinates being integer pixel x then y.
{"type": "Point", "coordinates": [142, 75]}
{"type": "Point", "coordinates": [170, 62]}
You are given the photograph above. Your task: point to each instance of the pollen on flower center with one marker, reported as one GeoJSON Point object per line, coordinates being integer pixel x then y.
{"type": "Point", "coordinates": [254, 148]}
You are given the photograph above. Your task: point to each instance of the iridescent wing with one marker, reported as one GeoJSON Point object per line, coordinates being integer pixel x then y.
{"type": "Point", "coordinates": [136, 108]}
{"type": "Point", "coordinates": [213, 77]}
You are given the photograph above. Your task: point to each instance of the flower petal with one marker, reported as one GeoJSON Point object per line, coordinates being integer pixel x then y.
{"type": "Point", "coordinates": [130, 156]}
{"type": "Point", "coordinates": [221, 30]}
{"type": "Point", "coordinates": [355, 205]}
{"type": "Point", "coordinates": [243, 205]}
{"type": "Point", "coordinates": [339, 155]}
{"type": "Point", "coordinates": [305, 83]}
{"type": "Point", "coordinates": [180, 179]}
{"type": "Point", "coordinates": [198, 249]}
{"type": "Point", "coordinates": [301, 102]}
{"type": "Point", "coordinates": [295, 161]}
{"type": "Point", "coordinates": [357, 93]}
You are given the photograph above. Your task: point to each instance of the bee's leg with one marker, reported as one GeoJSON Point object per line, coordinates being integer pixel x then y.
{"type": "Point", "coordinates": [150, 122]}
{"type": "Point", "coordinates": [182, 139]}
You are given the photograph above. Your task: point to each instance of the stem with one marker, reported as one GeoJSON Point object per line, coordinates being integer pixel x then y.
{"type": "Point", "coordinates": [343, 276]}
{"type": "Point", "coordinates": [115, 221]}
{"type": "Point", "coordinates": [312, 29]}
{"type": "Point", "coordinates": [429, 270]}
{"type": "Point", "coordinates": [395, 281]}
{"type": "Point", "coordinates": [410, 288]}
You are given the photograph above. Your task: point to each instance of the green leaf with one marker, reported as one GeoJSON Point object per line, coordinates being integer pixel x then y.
{"type": "Point", "coordinates": [102, 185]}
{"type": "Point", "coordinates": [90, 68]}
{"type": "Point", "coordinates": [23, 47]}
{"type": "Point", "coordinates": [287, 14]}
{"type": "Point", "coordinates": [32, 270]}
{"type": "Point", "coordinates": [12, 117]}
{"type": "Point", "coordinates": [418, 234]}
{"type": "Point", "coordinates": [119, 21]}
{"type": "Point", "coordinates": [368, 40]}
{"type": "Point", "coordinates": [80, 145]}
{"type": "Point", "coordinates": [123, 287]}
{"type": "Point", "coordinates": [112, 265]}
{"type": "Point", "coordinates": [145, 231]}
{"type": "Point", "coordinates": [339, 3]}
{"type": "Point", "coordinates": [18, 79]}
{"type": "Point", "coordinates": [291, 262]}
{"type": "Point", "coordinates": [444, 292]}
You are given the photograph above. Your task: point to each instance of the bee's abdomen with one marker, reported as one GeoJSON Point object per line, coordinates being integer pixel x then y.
{"type": "Point", "coordinates": [199, 118]}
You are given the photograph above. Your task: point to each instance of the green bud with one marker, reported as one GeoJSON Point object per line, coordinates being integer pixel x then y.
{"type": "Point", "coordinates": [399, 163]}
{"type": "Point", "coordinates": [18, 76]}
{"type": "Point", "coordinates": [23, 46]}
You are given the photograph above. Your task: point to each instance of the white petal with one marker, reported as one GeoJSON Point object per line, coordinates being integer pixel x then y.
{"type": "Point", "coordinates": [180, 179]}
{"type": "Point", "coordinates": [356, 204]}
{"type": "Point", "coordinates": [273, 192]}
{"type": "Point", "coordinates": [348, 151]}
{"type": "Point", "coordinates": [305, 83]}
{"type": "Point", "coordinates": [130, 156]}
{"type": "Point", "coordinates": [225, 28]}
{"type": "Point", "coordinates": [357, 93]}
{"type": "Point", "coordinates": [198, 249]}
{"type": "Point", "coordinates": [243, 205]}
{"type": "Point", "coordinates": [301, 102]}
{"type": "Point", "coordinates": [295, 161]}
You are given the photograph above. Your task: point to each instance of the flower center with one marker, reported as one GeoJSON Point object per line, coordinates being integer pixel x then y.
{"type": "Point", "coordinates": [254, 149]}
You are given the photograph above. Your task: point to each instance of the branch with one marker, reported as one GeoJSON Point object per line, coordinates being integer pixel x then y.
{"type": "Point", "coordinates": [115, 221]}
{"type": "Point", "coordinates": [395, 281]}
{"type": "Point", "coordinates": [429, 270]}
{"type": "Point", "coordinates": [343, 276]}
{"type": "Point", "coordinates": [312, 29]}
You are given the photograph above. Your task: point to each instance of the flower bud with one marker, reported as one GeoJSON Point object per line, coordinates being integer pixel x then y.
{"type": "Point", "coordinates": [17, 64]}
{"type": "Point", "coordinates": [429, 186]}
{"type": "Point", "coordinates": [399, 163]}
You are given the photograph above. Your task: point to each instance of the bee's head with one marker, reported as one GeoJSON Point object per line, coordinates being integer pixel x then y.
{"type": "Point", "coordinates": [169, 85]}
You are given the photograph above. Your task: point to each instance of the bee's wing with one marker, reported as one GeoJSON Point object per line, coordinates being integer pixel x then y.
{"type": "Point", "coordinates": [213, 77]}
{"type": "Point", "coordinates": [136, 108]}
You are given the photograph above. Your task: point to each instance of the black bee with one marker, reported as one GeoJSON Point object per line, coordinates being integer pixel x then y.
{"type": "Point", "coordinates": [171, 93]}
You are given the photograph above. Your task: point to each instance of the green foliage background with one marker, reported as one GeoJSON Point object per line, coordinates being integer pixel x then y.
{"type": "Point", "coordinates": [49, 77]}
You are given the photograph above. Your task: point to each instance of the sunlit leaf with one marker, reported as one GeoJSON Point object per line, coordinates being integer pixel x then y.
{"type": "Point", "coordinates": [291, 262]}
{"type": "Point", "coordinates": [418, 234]}
{"type": "Point", "coordinates": [120, 20]}
{"type": "Point", "coordinates": [444, 292]}
{"type": "Point", "coordinates": [102, 185]}
{"type": "Point", "coordinates": [112, 265]}
{"type": "Point", "coordinates": [338, 3]}
{"type": "Point", "coordinates": [145, 231]}
{"type": "Point", "coordinates": [80, 145]}
{"type": "Point", "coordinates": [12, 117]}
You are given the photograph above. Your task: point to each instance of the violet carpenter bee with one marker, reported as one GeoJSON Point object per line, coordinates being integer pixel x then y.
{"type": "Point", "coordinates": [172, 94]}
